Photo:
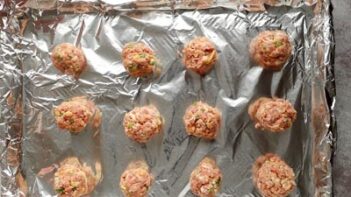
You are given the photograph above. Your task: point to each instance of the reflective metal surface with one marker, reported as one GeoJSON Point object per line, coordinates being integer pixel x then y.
{"type": "Point", "coordinates": [30, 83]}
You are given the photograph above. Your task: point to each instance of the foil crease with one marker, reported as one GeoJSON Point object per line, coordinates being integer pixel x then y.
{"type": "Point", "coordinates": [11, 114]}
{"type": "Point", "coordinates": [30, 87]}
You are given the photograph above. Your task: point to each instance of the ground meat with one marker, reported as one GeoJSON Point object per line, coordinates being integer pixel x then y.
{"type": "Point", "coordinates": [199, 55]}
{"type": "Point", "coordinates": [139, 60]}
{"type": "Point", "coordinates": [272, 114]}
{"type": "Point", "coordinates": [136, 180]}
{"type": "Point", "coordinates": [272, 176]}
{"type": "Point", "coordinates": [142, 123]}
{"type": "Point", "coordinates": [72, 179]}
{"type": "Point", "coordinates": [75, 114]}
{"type": "Point", "coordinates": [205, 180]}
{"type": "Point", "coordinates": [202, 120]}
{"type": "Point", "coordinates": [271, 49]}
{"type": "Point", "coordinates": [68, 59]}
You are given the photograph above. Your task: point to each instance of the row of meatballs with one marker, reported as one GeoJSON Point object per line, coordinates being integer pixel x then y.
{"type": "Point", "coordinates": [270, 49]}
{"type": "Point", "coordinates": [271, 176]}
{"type": "Point", "coordinates": [200, 119]}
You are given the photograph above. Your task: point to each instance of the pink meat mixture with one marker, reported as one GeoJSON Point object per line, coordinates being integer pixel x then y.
{"type": "Point", "coordinates": [139, 59]}
{"type": "Point", "coordinates": [68, 59]}
{"type": "Point", "coordinates": [271, 49]}
{"type": "Point", "coordinates": [199, 55]}
{"type": "Point", "coordinates": [73, 179]}
{"type": "Point", "coordinates": [142, 123]}
{"type": "Point", "coordinates": [273, 177]}
{"type": "Point", "coordinates": [75, 114]}
{"type": "Point", "coordinates": [202, 120]}
{"type": "Point", "coordinates": [136, 180]}
{"type": "Point", "coordinates": [274, 115]}
{"type": "Point", "coordinates": [206, 178]}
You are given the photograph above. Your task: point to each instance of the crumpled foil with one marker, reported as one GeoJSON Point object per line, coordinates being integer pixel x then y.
{"type": "Point", "coordinates": [30, 87]}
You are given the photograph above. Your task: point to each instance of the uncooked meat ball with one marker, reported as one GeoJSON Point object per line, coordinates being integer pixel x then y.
{"type": "Point", "coordinates": [272, 114]}
{"type": "Point", "coordinates": [139, 60]}
{"type": "Point", "coordinates": [72, 179]}
{"type": "Point", "coordinates": [272, 176]}
{"type": "Point", "coordinates": [68, 59]}
{"type": "Point", "coordinates": [136, 180]}
{"type": "Point", "coordinates": [75, 114]}
{"type": "Point", "coordinates": [202, 120]}
{"type": "Point", "coordinates": [142, 123]}
{"type": "Point", "coordinates": [205, 180]}
{"type": "Point", "coordinates": [199, 55]}
{"type": "Point", "coordinates": [271, 49]}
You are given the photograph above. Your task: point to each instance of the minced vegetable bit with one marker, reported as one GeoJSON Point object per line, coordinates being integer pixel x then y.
{"type": "Point", "coordinates": [271, 49]}
{"type": "Point", "coordinates": [202, 120]}
{"type": "Point", "coordinates": [272, 114]}
{"type": "Point", "coordinates": [136, 180]}
{"type": "Point", "coordinates": [199, 55]}
{"type": "Point", "coordinates": [68, 59]}
{"type": "Point", "coordinates": [272, 176]}
{"type": "Point", "coordinates": [205, 180]}
{"type": "Point", "coordinates": [75, 114]}
{"type": "Point", "coordinates": [139, 60]}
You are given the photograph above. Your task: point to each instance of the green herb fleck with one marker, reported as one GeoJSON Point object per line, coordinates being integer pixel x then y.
{"type": "Point", "coordinates": [60, 190]}
{"type": "Point", "coordinates": [215, 185]}
{"type": "Point", "coordinates": [152, 62]}
{"type": "Point", "coordinates": [278, 43]}
{"type": "Point", "coordinates": [197, 117]}
{"type": "Point", "coordinates": [211, 190]}
{"type": "Point", "coordinates": [218, 181]}
{"type": "Point", "coordinates": [59, 57]}
{"type": "Point", "coordinates": [133, 67]}
{"type": "Point", "coordinates": [142, 55]}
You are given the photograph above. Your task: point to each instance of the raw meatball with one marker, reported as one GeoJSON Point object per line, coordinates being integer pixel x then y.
{"type": "Point", "coordinates": [72, 179]}
{"type": "Point", "coordinates": [69, 59]}
{"type": "Point", "coordinates": [205, 180]}
{"type": "Point", "coordinates": [271, 49]}
{"type": "Point", "coordinates": [136, 180]}
{"type": "Point", "coordinates": [272, 176]}
{"type": "Point", "coordinates": [272, 114]}
{"type": "Point", "coordinates": [139, 59]}
{"type": "Point", "coordinates": [75, 114]}
{"type": "Point", "coordinates": [142, 123]}
{"type": "Point", "coordinates": [202, 120]}
{"type": "Point", "coordinates": [199, 55]}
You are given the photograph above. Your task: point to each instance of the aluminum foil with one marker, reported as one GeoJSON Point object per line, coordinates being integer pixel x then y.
{"type": "Point", "coordinates": [30, 88]}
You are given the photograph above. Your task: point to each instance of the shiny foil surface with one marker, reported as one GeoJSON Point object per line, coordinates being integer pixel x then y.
{"type": "Point", "coordinates": [31, 87]}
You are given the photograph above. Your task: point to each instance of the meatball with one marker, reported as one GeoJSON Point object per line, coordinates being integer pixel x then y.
{"type": "Point", "coordinates": [205, 180]}
{"type": "Point", "coordinates": [139, 60]}
{"type": "Point", "coordinates": [202, 120]}
{"type": "Point", "coordinates": [75, 114]}
{"type": "Point", "coordinates": [199, 55]}
{"type": "Point", "coordinates": [72, 179]}
{"type": "Point", "coordinates": [142, 123]}
{"type": "Point", "coordinates": [272, 114]}
{"type": "Point", "coordinates": [136, 180]}
{"type": "Point", "coordinates": [68, 59]}
{"type": "Point", "coordinates": [272, 176]}
{"type": "Point", "coordinates": [271, 49]}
